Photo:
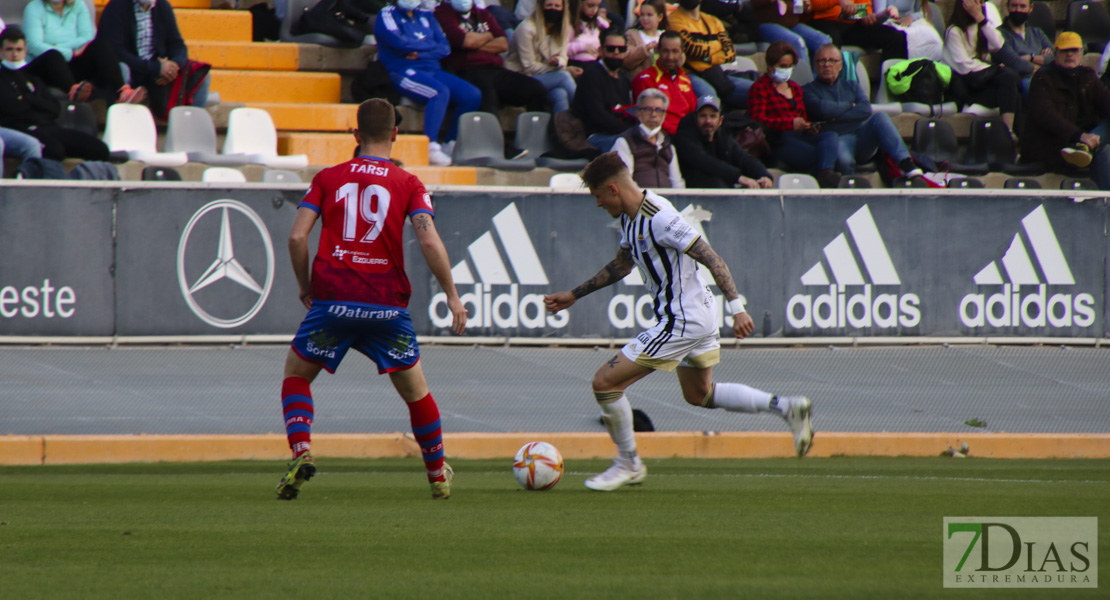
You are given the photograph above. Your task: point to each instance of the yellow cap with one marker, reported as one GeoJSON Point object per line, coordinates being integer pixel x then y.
{"type": "Point", "coordinates": [1069, 40]}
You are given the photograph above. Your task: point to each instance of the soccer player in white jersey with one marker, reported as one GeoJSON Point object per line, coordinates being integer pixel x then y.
{"type": "Point", "coordinates": [657, 240]}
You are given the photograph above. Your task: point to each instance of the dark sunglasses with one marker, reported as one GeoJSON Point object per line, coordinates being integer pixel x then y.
{"type": "Point", "coordinates": [616, 49]}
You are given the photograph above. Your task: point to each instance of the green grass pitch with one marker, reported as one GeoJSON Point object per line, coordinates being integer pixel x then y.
{"type": "Point", "coordinates": [814, 528]}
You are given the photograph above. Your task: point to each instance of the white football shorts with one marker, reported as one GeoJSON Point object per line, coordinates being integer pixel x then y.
{"type": "Point", "coordinates": [659, 349]}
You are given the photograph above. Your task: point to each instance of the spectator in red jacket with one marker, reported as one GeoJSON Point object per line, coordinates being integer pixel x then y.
{"type": "Point", "coordinates": [668, 77]}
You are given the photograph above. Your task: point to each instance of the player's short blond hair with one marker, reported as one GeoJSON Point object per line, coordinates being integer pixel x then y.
{"type": "Point", "coordinates": [602, 169]}
{"type": "Point", "coordinates": [376, 120]}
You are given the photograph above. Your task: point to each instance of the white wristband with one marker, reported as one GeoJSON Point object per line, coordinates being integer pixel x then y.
{"type": "Point", "coordinates": [736, 306]}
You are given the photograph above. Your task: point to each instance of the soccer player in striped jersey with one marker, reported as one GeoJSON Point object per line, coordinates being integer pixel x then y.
{"type": "Point", "coordinates": [358, 292]}
{"type": "Point", "coordinates": [656, 239]}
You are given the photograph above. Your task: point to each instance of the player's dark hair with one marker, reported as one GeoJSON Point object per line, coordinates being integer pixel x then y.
{"type": "Point", "coordinates": [376, 120]}
{"type": "Point", "coordinates": [602, 169]}
{"type": "Point", "coordinates": [12, 33]}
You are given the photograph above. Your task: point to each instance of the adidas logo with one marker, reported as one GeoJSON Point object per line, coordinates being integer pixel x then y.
{"type": "Point", "coordinates": [507, 309]}
{"type": "Point", "coordinates": [1011, 307]}
{"type": "Point", "coordinates": [836, 309]}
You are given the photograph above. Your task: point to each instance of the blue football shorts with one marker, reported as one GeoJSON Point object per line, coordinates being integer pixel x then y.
{"type": "Point", "coordinates": [383, 333]}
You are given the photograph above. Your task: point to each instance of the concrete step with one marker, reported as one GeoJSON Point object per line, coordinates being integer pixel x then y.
{"type": "Point", "coordinates": [262, 56]}
{"type": "Point", "coordinates": [275, 86]}
{"type": "Point", "coordinates": [214, 25]}
{"type": "Point", "coordinates": [334, 148]}
{"type": "Point", "coordinates": [333, 118]}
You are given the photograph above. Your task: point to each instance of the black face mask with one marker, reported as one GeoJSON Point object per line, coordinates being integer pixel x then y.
{"type": "Point", "coordinates": [612, 63]}
{"type": "Point", "coordinates": [1019, 18]}
{"type": "Point", "coordinates": [552, 16]}
{"type": "Point", "coordinates": [689, 4]}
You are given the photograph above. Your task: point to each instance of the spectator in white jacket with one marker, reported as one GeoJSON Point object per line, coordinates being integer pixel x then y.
{"type": "Point", "coordinates": [971, 37]}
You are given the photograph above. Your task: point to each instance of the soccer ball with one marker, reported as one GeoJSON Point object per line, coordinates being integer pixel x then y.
{"type": "Point", "coordinates": [538, 466]}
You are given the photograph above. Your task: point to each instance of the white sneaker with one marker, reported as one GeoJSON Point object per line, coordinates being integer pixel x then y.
{"type": "Point", "coordinates": [620, 474]}
{"type": "Point", "coordinates": [796, 412]}
{"type": "Point", "coordinates": [449, 149]}
{"type": "Point", "coordinates": [436, 156]}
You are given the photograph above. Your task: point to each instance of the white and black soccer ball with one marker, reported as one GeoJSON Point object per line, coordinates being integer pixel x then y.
{"type": "Point", "coordinates": [538, 466]}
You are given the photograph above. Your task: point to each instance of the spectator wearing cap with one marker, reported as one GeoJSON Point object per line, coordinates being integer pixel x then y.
{"type": "Point", "coordinates": [646, 149]}
{"type": "Point", "coordinates": [845, 111]}
{"type": "Point", "coordinates": [668, 77]}
{"type": "Point", "coordinates": [1069, 116]}
{"type": "Point", "coordinates": [710, 158]}
{"type": "Point", "coordinates": [779, 105]}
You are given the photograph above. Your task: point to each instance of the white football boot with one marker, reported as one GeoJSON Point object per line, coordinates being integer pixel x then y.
{"type": "Point", "coordinates": [623, 472]}
{"type": "Point", "coordinates": [796, 410]}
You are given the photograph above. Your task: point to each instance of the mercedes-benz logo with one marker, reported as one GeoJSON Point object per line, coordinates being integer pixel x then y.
{"type": "Point", "coordinates": [225, 265]}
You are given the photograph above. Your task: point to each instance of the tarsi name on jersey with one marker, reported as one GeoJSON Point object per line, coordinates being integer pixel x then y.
{"type": "Point", "coordinates": [370, 169]}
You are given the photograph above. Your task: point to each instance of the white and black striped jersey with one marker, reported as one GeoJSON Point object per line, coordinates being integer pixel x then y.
{"type": "Point", "coordinates": [658, 238]}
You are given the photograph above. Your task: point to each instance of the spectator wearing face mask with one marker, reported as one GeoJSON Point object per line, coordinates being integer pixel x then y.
{"type": "Point", "coordinates": [144, 36]}
{"type": "Point", "coordinates": [646, 149]}
{"type": "Point", "coordinates": [539, 50]}
{"type": "Point", "coordinates": [477, 42]}
{"type": "Point", "coordinates": [1029, 43]}
{"type": "Point", "coordinates": [410, 45]}
{"type": "Point", "coordinates": [778, 104]}
{"type": "Point", "coordinates": [605, 93]}
{"type": "Point", "coordinates": [65, 27]}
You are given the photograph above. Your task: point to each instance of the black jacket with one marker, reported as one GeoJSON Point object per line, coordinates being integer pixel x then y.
{"type": "Point", "coordinates": [117, 27]}
{"type": "Point", "coordinates": [24, 101]}
{"type": "Point", "coordinates": [1062, 106]}
{"type": "Point", "coordinates": [599, 93]}
{"type": "Point", "coordinates": [716, 164]}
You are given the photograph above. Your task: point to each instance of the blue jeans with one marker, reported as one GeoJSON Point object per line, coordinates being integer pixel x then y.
{"type": "Point", "coordinates": [878, 131]}
{"type": "Point", "coordinates": [437, 90]}
{"type": "Point", "coordinates": [17, 143]}
{"type": "Point", "coordinates": [806, 153]}
{"type": "Point", "coordinates": [738, 99]}
{"type": "Point", "coordinates": [603, 141]}
{"type": "Point", "coordinates": [560, 88]}
{"type": "Point", "coordinates": [805, 40]}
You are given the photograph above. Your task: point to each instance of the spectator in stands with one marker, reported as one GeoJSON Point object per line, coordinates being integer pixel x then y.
{"type": "Point", "coordinates": [66, 27]}
{"type": "Point", "coordinates": [646, 149]}
{"type": "Point", "coordinates": [477, 42]}
{"type": "Point", "coordinates": [586, 25]}
{"type": "Point", "coordinates": [144, 35]}
{"type": "Point", "coordinates": [710, 158]}
{"type": "Point", "coordinates": [410, 45]}
{"type": "Point", "coordinates": [707, 46]}
{"type": "Point", "coordinates": [854, 24]}
{"type": "Point", "coordinates": [968, 42]}
{"type": "Point", "coordinates": [539, 49]}
{"type": "Point", "coordinates": [843, 108]}
{"type": "Point", "coordinates": [668, 77]}
{"type": "Point", "coordinates": [1069, 114]}
{"type": "Point", "coordinates": [17, 144]}
{"type": "Point", "coordinates": [913, 18]}
{"type": "Point", "coordinates": [27, 106]}
{"type": "Point", "coordinates": [786, 21]}
{"type": "Point", "coordinates": [49, 67]}
{"type": "Point", "coordinates": [779, 105]}
{"type": "Point", "coordinates": [643, 37]}
{"type": "Point", "coordinates": [1030, 43]}
{"type": "Point", "coordinates": [605, 93]}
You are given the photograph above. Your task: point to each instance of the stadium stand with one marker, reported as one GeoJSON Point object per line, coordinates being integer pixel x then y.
{"type": "Point", "coordinates": [130, 134]}
{"type": "Point", "coordinates": [223, 175]}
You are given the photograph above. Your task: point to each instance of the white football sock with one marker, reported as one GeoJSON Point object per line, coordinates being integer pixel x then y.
{"type": "Point", "coordinates": [617, 416]}
{"type": "Point", "coordinates": [737, 397]}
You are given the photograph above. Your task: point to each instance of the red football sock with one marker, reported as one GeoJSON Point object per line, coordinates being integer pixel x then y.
{"type": "Point", "coordinates": [424, 415]}
{"type": "Point", "coordinates": [296, 402]}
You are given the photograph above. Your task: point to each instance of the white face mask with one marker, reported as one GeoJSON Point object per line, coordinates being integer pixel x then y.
{"type": "Point", "coordinates": [651, 132]}
{"type": "Point", "coordinates": [462, 6]}
{"type": "Point", "coordinates": [782, 75]}
{"type": "Point", "coordinates": [146, 3]}
{"type": "Point", "coordinates": [14, 65]}
{"type": "Point", "coordinates": [408, 5]}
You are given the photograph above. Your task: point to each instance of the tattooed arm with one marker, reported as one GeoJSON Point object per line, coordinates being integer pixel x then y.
{"type": "Point", "coordinates": [611, 273]}
{"type": "Point", "coordinates": [742, 324]}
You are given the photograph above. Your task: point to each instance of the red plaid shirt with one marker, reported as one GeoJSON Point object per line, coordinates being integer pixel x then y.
{"type": "Point", "coordinates": [772, 108]}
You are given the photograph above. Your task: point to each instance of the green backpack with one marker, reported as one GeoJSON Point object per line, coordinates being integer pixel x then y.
{"type": "Point", "coordinates": [919, 80]}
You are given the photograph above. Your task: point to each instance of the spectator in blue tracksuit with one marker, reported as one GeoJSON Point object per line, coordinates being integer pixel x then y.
{"type": "Point", "coordinates": [410, 45]}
